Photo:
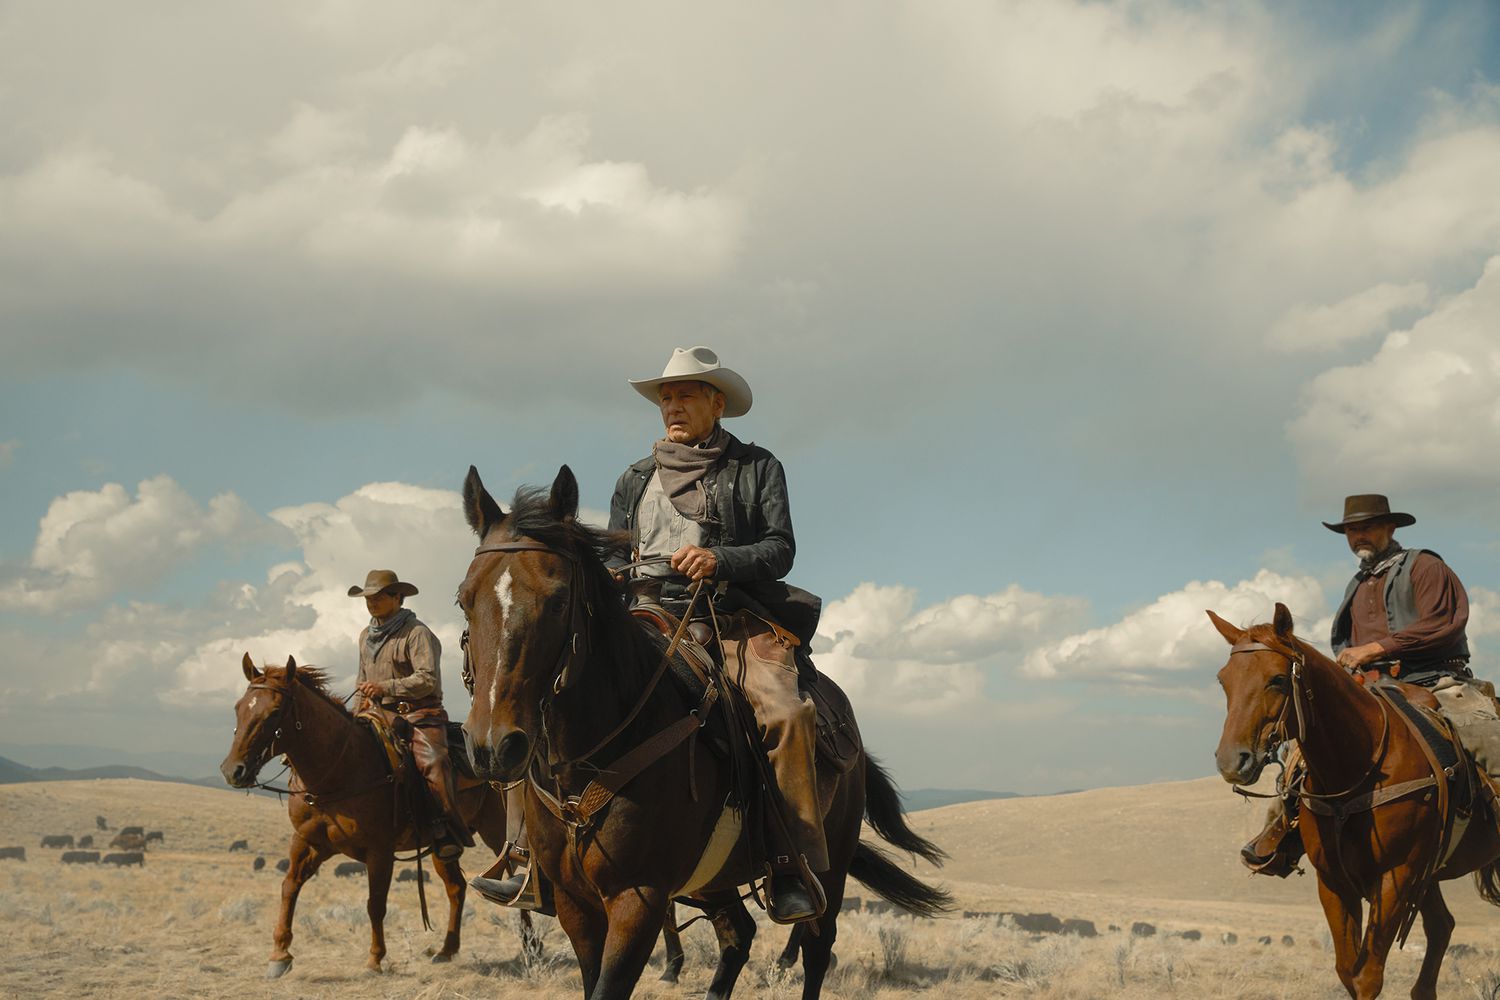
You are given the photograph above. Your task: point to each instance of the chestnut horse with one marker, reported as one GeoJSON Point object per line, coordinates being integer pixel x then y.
{"type": "Point", "coordinates": [559, 666]}
{"type": "Point", "coordinates": [1369, 834]}
{"type": "Point", "coordinates": [342, 800]}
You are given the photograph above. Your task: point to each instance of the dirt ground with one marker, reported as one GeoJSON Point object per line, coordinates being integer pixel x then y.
{"type": "Point", "coordinates": [196, 920]}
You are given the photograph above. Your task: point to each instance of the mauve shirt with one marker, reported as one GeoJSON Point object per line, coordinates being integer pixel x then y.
{"type": "Point", "coordinates": [1441, 602]}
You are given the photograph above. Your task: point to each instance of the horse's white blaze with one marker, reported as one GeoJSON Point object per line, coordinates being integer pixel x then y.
{"type": "Point", "coordinates": [253, 699]}
{"type": "Point", "coordinates": [503, 593]}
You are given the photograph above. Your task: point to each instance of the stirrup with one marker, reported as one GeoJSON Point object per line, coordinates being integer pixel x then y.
{"type": "Point", "coordinates": [797, 868]}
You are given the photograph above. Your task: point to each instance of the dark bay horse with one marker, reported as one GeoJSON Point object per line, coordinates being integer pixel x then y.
{"type": "Point", "coordinates": [342, 800]}
{"type": "Point", "coordinates": [558, 666]}
{"type": "Point", "coordinates": [1370, 829]}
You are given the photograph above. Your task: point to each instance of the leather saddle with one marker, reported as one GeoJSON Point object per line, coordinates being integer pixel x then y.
{"type": "Point", "coordinates": [393, 734]}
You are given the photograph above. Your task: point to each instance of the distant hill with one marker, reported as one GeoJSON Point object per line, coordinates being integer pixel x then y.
{"type": "Point", "coordinates": [935, 798]}
{"type": "Point", "coordinates": [12, 773]}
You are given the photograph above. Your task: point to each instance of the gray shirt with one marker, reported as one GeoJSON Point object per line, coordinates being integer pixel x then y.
{"type": "Point", "coordinates": [663, 529]}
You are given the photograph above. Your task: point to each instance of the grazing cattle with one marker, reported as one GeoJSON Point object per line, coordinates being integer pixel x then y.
{"type": "Point", "coordinates": [124, 858]}
{"type": "Point", "coordinates": [99, 821]}
{"type": "Point", "coordinates": [349, 869]}
{"type": "Point", "coordinates": [1034, 923]}
{"type": "Point", "coordinates": [1191, 935]}
{"type": "Point", "coordinates": [283, 865]}
{"type": "Point", "coordinates": [80, 857]}
{"type": "Point", "coordinates": [979, 914]}
{"type": "Point", "coordinates": [1142, 929]}
{"type": "Point", "coordinates": [1288, 940]}
{"type": "Point", "coordinates": [87, 840]}
{"type": "Point", "coordinates": [129, 842]}
{"type": "Point", "coordinates": [240, 845]}
{"type": "Point", "coordinates": [1263, 939]}
{"type": "Point", "coordinates": [139, 831]}
{"type": "Point", "coordinates": [259, 864]}
{"type": "Point", "coordinates": [57, 840]}
{"type": "Point", "coordinates": [1080, 928]}
{"type": "Point", "coordinates": [851, 904]}
{"type": "Point", "coordinates": [878, 906]}
{"type": "Point", "coordinates": [1229, 937]}
{"type": "Point", "coordinates": [157, 836]}
{"type": "Point", "coordinates": [18, 853]}
{"type": "Point", "coordinates": [410, 875]}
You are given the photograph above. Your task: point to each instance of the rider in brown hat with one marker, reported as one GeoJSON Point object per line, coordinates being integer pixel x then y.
{"type": "Point", "coordinates": [1403, 613]}
{"type": "Point", "coordinates": [398, 676]}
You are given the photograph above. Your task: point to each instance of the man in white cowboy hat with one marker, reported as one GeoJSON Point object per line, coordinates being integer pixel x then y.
{"type": "Point", "coordinates": [1404, 613]}
{"type": "Point", "coordinates": [716, 509]}
{"type": "Point", "coordinates": [398, 675]}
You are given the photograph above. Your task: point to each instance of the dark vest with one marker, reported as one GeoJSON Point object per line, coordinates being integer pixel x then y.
{"type": "Point", "coordinates": [1400, 607]}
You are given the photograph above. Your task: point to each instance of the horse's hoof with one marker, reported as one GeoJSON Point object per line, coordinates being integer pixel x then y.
{"type": "Point", "coordinates": [278, 967]}
{"type": "Point", "coordinates": [440, 958]}
{"type": "Point", "coordinates": [671, 973]}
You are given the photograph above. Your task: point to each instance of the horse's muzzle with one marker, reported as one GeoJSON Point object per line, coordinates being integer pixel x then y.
{"type": "Point", "coordinates": [506, 761]}
{"type": "Point", "coordinates": [237, 773]}
{"type": "Point", "coordinates": [1238, 765]}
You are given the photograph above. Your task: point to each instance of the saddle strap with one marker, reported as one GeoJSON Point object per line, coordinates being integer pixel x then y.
{"type": "Point", "coordinates": [1369, 800]}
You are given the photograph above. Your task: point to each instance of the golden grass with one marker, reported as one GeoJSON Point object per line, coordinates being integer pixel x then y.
{"type": "Point", "coordinates": [196, 921]}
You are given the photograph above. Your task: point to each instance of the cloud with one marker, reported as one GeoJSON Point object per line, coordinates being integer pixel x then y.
{"type": "Point", "coordinates": [92, 545]}
{"type": "Point", "coordinates": [1172, 635]}
{"type": "Point", "coordinates": [1421, 415]}
{"type": "Point", "coordinates": [1311, 328]}
{"type": "Point", "coordinates": [892, 656]}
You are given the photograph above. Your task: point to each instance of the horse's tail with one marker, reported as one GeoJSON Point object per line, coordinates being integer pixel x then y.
{"type": "Point", "coordinates": [882, 875]}
{"type": "Point", "coordinates": [884, 813]}
{"type": "Point", "coordinates": [1487, 881]}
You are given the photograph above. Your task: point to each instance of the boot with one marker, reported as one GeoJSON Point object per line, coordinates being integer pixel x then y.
{"type": "Point", "coordinates": [525, 890]}
{"type": "Point", "coordinates": [789, 900]}
{"type": "Point", "coordinates": [1278, 847]}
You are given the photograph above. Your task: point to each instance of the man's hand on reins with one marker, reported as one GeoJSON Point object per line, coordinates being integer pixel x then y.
{"type": "Point", "coordinates": [370, 689]}
{"type": "Point", "coordinates": [695, 562]}
{"type": "Point", "coordinates": [1354, 657]}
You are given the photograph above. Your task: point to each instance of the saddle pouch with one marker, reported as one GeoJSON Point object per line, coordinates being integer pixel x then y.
{"type": "Point", "coordinates": [839, 742]}
{"type": "Point", "coordinates": [393, 733]}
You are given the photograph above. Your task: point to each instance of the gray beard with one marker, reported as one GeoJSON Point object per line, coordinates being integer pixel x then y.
{"type": "Point", "coordinates": [1369, 559]}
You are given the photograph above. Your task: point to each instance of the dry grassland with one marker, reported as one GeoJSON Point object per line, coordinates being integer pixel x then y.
{"type": "Point", "coordinates": [196, 921]}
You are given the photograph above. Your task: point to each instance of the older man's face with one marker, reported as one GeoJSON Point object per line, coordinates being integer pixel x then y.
{"type": "Point", "coordinates": [1369, 538]}
{"type": "Point", "coordinates": [689, 409]}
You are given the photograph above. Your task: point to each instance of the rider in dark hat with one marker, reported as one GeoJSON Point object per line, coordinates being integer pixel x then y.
{"type": "Point", "coordinates": [1403, 613]}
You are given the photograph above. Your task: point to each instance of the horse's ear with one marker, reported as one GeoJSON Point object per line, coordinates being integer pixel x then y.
{"type": "Point", "coordinates": [564, 499]}
{"type": "Point", "coordinates": [481, 510]}
{"type": "Point", "coordinates": [251, 674]}
{"type": "Point", "coordinates": [291, 668]}
{"type": "Point", "coordinates": [1282, 621]}
{"type": "Point", "coordinates": [1231, 634]}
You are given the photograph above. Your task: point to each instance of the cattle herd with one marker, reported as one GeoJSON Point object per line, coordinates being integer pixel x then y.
{"type": "Point", "coordinates": [131, 842]}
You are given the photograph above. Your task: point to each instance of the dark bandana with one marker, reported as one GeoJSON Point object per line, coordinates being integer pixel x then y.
{"type": "Point", "coordinates": [381, 631]}
{"type": "Point", "coordinates": [681, 468]}
{"type": "Point", "coordinates": [1381, 561]}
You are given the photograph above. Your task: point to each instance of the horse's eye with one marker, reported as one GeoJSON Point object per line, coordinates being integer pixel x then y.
{"type": "Point", "coordinates": [1277, 683]}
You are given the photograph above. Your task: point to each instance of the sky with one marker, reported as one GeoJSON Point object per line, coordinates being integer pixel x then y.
{"type": "Point", "coordinates": [1068, 320]}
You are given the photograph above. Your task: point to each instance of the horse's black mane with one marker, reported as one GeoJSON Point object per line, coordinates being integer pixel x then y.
{"type": "Point", "coordinates": [533, 516]}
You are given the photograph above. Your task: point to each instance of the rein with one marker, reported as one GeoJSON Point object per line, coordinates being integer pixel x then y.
{"type": "Point", "coordinates": [311, 798]}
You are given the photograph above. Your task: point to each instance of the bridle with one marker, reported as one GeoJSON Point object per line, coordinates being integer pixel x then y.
{"type": "Point", "coordinates": [1300, 701]}
{"type": "Point", "coordinates": [288, 707]}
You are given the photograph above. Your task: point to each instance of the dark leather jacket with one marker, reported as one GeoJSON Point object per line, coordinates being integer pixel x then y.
{"type": "Point", "coordinates": [749, 531]}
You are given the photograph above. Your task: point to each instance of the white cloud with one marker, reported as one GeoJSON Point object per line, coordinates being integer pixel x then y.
{"type": "Point", "coordinates": [892, 656]}
{"type": "Point", "coordinates": [1311, 328]}
{"type": "Point", "coordinates": [1172, 634]}
{"type": "Point", "coordinates": [1423, 414]}
{"type": "Point", "coordinates": [92, 545]}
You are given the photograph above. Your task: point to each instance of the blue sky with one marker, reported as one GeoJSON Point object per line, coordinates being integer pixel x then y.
{"type": "Point", "coordinates": [1067, 320]}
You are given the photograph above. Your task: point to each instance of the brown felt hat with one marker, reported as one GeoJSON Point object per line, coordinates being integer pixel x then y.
{"type": "Point", "coordinates": [1369, 507]}
{"type": "Point", "coordinates": [382, 579]}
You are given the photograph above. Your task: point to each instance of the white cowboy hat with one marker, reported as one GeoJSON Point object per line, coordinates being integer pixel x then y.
{"type": "Point", "coordinates": [699, 364]}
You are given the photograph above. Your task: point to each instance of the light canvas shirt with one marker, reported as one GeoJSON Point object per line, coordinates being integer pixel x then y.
{"type": "Point", "coordinates": [407, 665]}
{"type": "Point", "coordinates": [663, 529]}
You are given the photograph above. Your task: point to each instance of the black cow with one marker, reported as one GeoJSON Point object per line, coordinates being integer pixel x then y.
{"type": "Point", "coordinates": [87, 840]}
{"type": "Point", "coordinates": [80, 857]}
{"type": "Point", "coordinates": [1142, 929]}
{"type": "Point", "coordinates": [410, 875]}
{"type": "Point", "coordinates": [129, 842]}
{"type": "Point", "coordinates": [120, 860]}
{"type": "Point", "coordinates": [57, 840]}
{"type": "Point", "coordinates": [349, 869]}
{"type": "Point", "coordinates": [100, 822]}
{"type": "Point", "coordinates": [18, 853]}
{"type": "Point", "coordinates": [157, 836]}
{"type": "Point", "coordinates": [1080, 927]}
{"type": "Point", "coordinates": [139, 831]}
{"type": "Point", "coordinates": [283, 865]}
{"type": "Point", "coordinates": [259, 864]}
{"type": "Point", "coordinates": [240, 845]}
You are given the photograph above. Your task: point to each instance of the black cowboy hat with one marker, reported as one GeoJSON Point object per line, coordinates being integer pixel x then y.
{"type": "Point", "coordinates": [1369, 507]}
